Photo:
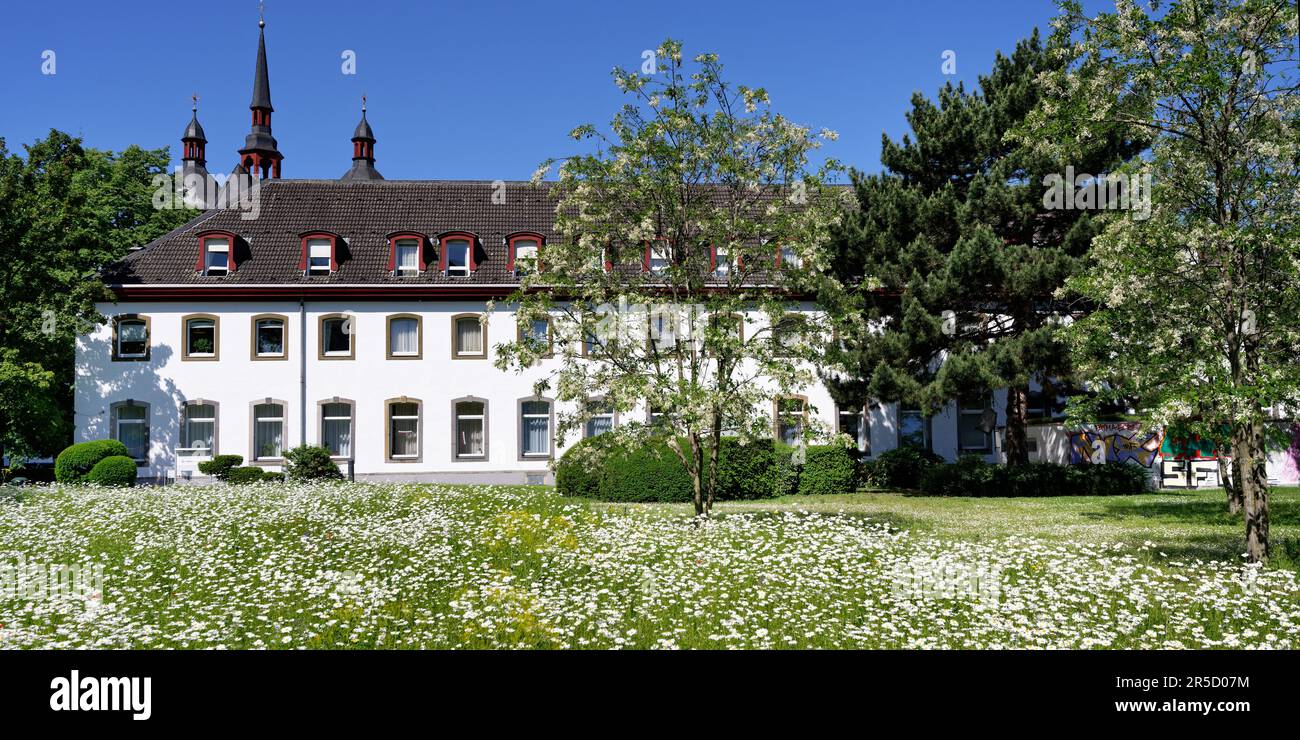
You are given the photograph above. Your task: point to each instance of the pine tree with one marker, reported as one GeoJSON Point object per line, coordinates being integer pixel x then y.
{"type": "Point", "coordinates": [955, 260]}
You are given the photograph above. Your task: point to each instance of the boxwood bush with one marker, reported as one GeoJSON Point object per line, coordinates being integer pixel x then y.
{"type": "Point", "coordinates": [114, 470]}
{"type": "Point", "coordinates": [250, 474]}
{"type": "Point", "coordinates": [971, 476]}
{"type": "Point", "coordinates": [220, 466]}
{"type": "Point", "coordinates": [310, 463]}
{"type": "Point", "coordinates": [75, 462]}
{"type": "Point", "coordinates": [828, 469]}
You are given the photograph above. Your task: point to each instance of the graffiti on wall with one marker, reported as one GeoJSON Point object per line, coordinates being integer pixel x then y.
{"type": "Point", "coordinates": [1119, 442]}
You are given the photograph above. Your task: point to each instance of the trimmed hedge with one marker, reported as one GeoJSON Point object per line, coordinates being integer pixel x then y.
{"type": "Point", "coordinates": [650, 472]}
{"type": "Point", "coordinates": [220, 466]}
{"type": "Point", "coordinates": [971, 476]}
{"type": "Point", "coordinates": [250, 474]}
{"type": "Point", "coordinates": [902, 467]}
{"type": "Point", "coordinates": [828, 469]}
{"type": "Point", "coordinates": [309, 463]}
{"type": "Point", "coordinates": [114, 470]}
{"type": "Point", "coordinates": [75, 462]}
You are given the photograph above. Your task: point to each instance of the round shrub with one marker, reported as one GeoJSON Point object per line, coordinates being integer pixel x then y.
{"type": "Point", "coordinates": [747, 471]}
{"type": "Point", "coordinates": [308, 463]}
{"type": "Point", "coordinates": [577, 473]}
{"type": "Point", "coordinates": [828, 469]}
{"type": "Point", "coordinates": [251, 474]}
{"type": "Point", "coordinates": [902, 467]}
{"type": "Point", "coordinates": [220, 466]}
{"type": "Point", "coordinates": [114, 470]}
{"type": "Point", "coordinates": [75, 462]}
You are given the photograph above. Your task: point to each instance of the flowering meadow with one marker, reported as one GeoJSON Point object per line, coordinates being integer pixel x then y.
{"type": "Point", "coordinates": [422, 566]}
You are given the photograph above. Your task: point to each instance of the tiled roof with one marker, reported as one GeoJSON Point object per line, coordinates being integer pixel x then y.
{"type": "Point", "coordinates": [364, 213]}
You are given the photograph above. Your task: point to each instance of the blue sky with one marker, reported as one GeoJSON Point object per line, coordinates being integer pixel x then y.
{"type": "Point", "coordinates": [469, 90]}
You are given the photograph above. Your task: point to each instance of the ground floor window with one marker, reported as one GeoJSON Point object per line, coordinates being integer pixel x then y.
{"type": "Point", "coordinates": [535, 428]}
{"type": "Point", "coordinates": [130, 426]}
{"type": "Point", "coordinates": [404, 430]}
{"type": "Point", "coordinates": [336, 428]}
{"type": "Point", "coordinates": [470, 419]}
{"type": "Point", "coordinates": [199, 428]}
{"type": "Point", "coordinates": [853, 422]}
{"type": "Point", "coordinates": [975, 427]}
{"type": "Point", "coordinates": [913, 428]}
{"type": "Point", "coordinates": [791, 414]}
{"type": "Point", "coordinates": [268, 431]}
{"type": "Point", "coordinates": [600, 418]}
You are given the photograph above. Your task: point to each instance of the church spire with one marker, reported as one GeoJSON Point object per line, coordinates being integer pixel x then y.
{"type": "Point", "coordinates": [196, 185]}
{"type": "Point", "coordinates": [260, 155]}
{"type": "Point", "coordinates": [363, 151]}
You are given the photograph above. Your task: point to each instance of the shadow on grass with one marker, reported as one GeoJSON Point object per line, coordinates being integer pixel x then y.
{"type": "Point", "coordinates": [1282, 512]}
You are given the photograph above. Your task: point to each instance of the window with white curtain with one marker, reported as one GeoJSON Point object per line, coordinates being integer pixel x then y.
{"type": "Point", "coordinates": [404, 430]}
{"type": "Point", "coordinates": [404, 336]}
{"type": "Point", "coordinates": [469, 337]}
{"type": "Point", "coordinates": [318, 256]}
{"type": "Point", "coordinates": [791, 415]}
{"type": "Point", "coordinates": [600, 418]}
{"type": "Point", "coordinates": [790, 258]}
{"type": "Point", "coordinates": [535, 428]}
{"type": "Point", "coordinates": [132, 338]}
{"type": "Point", "coordinates": [216, 256]}
{"type": "Point", "coordinates": [525, 256]}
{"type": "Point", "coordinates": [471, 429]}
{"type": "Point", "coordinates": [722, 262]}
{"type": "Point", "coordinates": [408, 256]}
{"type": "Point", "coordinates": [336, 428]}
{"type": "Point", "coordinates": [268, 431]}
{"type": "Point", "coordinates": [199, 428]}
{"type": "Point", "coordinates": [661, 255]}
{"type": "Point", "coordinates": [131, 428]}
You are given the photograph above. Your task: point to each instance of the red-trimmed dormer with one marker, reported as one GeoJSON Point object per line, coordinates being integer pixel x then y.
{"type": "Point", "coordinates": [406, 253]}
{"type": "Point", "coordinates": [658, 256]}
{"type": "Point", "coordinates": [456, 253]}
{"type": "Point", "coordinates": [524, 244]}
{"type": "Point", "coordinates": [217, 254]}
{"type": "Point", "coordinates": [320, 253]}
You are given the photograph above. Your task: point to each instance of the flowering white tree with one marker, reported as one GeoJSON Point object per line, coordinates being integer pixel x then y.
{"type": "Point", "coordinates": [1199, 305]}
{"type": "Point", "coordinates": [689, 232]}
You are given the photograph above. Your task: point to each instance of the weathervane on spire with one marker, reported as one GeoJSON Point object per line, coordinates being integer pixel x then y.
{"type": "Point", "coordinates": [195, 106]}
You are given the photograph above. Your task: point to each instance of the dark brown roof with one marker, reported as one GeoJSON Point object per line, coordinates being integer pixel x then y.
{"type": "Point", "coordinates": [364, 213]}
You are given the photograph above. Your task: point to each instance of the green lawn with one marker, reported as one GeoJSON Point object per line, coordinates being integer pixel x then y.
{"type": "Point", "coordinates": [422, 566]}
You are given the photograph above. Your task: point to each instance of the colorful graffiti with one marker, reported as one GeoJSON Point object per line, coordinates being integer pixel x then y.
{"type": "Point", "coordinates": [1115, 443]}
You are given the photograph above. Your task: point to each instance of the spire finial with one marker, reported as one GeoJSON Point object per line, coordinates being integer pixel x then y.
{"type": "Point", "coordinates": [363, 104]}
{"type": "Point", "coordinates": [195, 105]}
{"type": "Point", "coordinates": [261, 14]}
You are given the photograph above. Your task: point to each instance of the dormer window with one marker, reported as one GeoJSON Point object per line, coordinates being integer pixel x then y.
{"type": "Point", "coordinates": [406, 254]}
{"type": "Point", "coordinates": [525, 249]}
{"type": "Point", "coordinates": [722, 262]}
{"type": "Point", "coordinates": [658, 256]}
{"type": "Point", "coordinates": [319, 254]}
{"type": "Point", "coordinates": [788, 258]}
{"type": "Point", "coordinates": [457, 251]}
{"type": "Point", "coordinates": [216, 254]}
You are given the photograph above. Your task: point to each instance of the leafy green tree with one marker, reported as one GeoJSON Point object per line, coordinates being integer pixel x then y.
{"type": "Point", "coordinates": [1199, 304]}
{"type": "Point", "coordinates": [665, 285]}
{"type": "Point", "coordinates": [953, 261]}
{"type": "Point", "coordinates": [65, 211]}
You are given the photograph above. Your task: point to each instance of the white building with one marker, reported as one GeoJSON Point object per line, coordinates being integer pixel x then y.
{"type": "Point", "coordinates": [352, 313]}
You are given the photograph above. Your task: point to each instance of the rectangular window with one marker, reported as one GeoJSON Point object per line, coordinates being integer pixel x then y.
{"type": "Point", "coordinates": [270, 338]}
{"type": "Point", "coordinates": [336, 428]}
{"type": "Point", "coordinates": [408, 257]}
{"type": "Point", "coordinates": [972, 423]}
{"type": "Point", "coordinates": [404, 430]}
{"type": "Point", "coordinates": [199, 428]}
{"type": "Point", "coordinates": [200, 338]}
{"type": "Point", "coordinates": [268, 431]}
{"type": "Point", "coordinates": [853, 423]}
{"type": "Point", "coordinates": [469, 337]}
{"type": "Point", "coordinates": [216, 258]}
{"type": "Point", "coordinates": [601, 418]}
{"type": "Point", "coordinates": [132, 338]}
{"type": "Point", "coordinates": [791, 413]}
{"type": "Point", "coordinates": [132, 429]}
{"type": "Point", "coordinates": [336, 337]}
{"type": "Point", "coordinates": [319, 252]}
{"type": "Point", "coordinates": [537, 333]}
{"type": "Point", "coordinates": [722, 262]}
{"type": "Point", "coordinates": [525, 256]}
{"type": "Point", "coordinates": [787, 334]}
{"type": "Point", "coordinates": [470, 426]}
{"type": "Point", "coordinates": [404, 337]}
{"type": "Point", "coordinates": [661, 256]}
{"type": "Point", "coordinates": [790, 258]}
{"type": "Point", "coordinates": [535, 425]}
{"type": "Point", "coordinates": [457, 257]}
{"type": "Point", "coordinates": [913, 428]}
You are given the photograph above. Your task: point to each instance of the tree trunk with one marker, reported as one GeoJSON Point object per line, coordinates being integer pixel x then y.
{"type": "Point", "coordinates": [1230, 478]}
{"type": "Point", "coordinates": [697, 477]}
{"type": "Point", "coordinates": [1016, 444]}
{"type": "Point", "coordinates": [1251, 459]}
{"type": "Point", "coordinates": [715, 435]}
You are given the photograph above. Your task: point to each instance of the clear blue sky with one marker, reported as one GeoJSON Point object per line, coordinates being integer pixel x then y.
{"type": "Point", "coordinates": [473, 90]}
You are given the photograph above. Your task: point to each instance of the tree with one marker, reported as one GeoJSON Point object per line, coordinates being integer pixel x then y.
{"type": "Point", "coordinates": [65, 212]}
{"type": "Point", "coordinates": [698, 207]}
{"type": "Point", "coordinates": [955, 263]}
{"type": "Point", "coordinates": [1199, 303]}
